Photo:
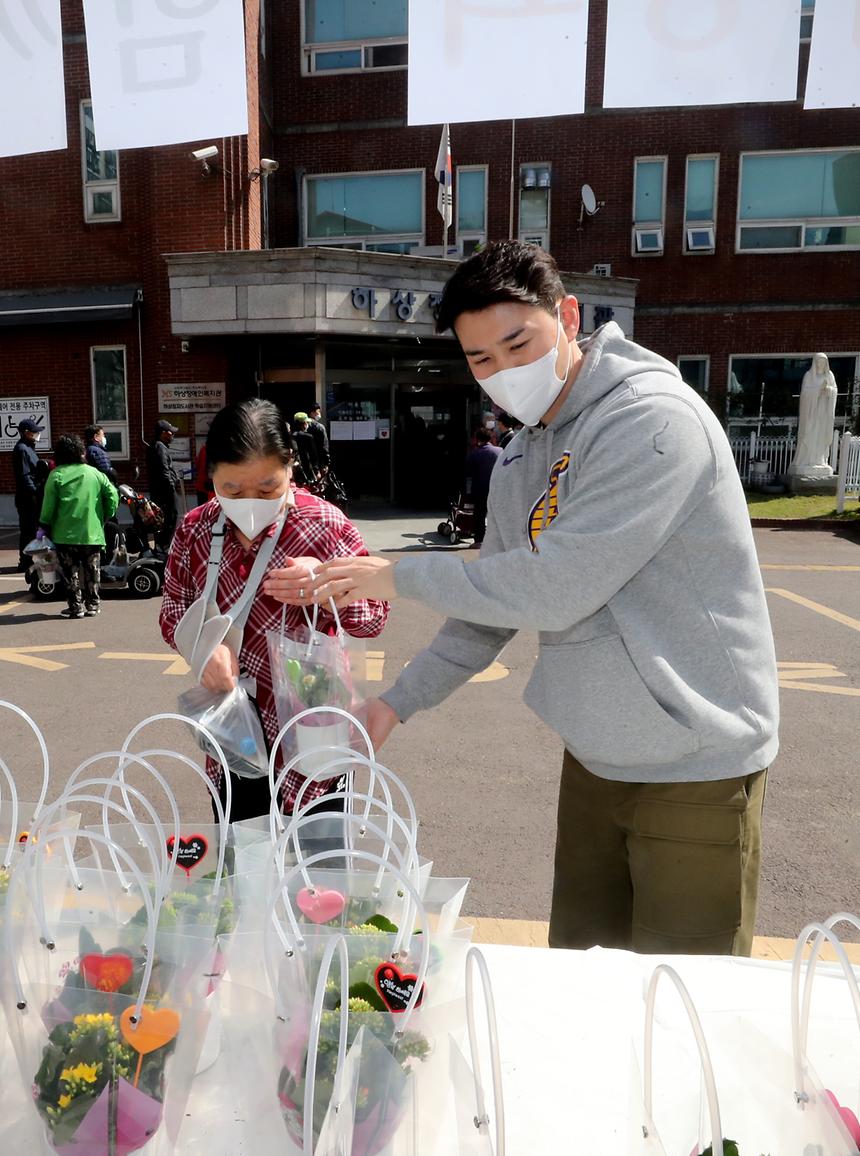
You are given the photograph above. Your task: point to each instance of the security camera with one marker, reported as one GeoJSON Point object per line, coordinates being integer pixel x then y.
{"type": "Point", "coordinates": [267, 165]}
{"type": "Point", "coordinates": [207, 154]}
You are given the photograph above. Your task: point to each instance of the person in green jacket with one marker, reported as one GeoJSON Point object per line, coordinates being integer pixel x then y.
{"type": "Point", "coordinates": [78, 501]}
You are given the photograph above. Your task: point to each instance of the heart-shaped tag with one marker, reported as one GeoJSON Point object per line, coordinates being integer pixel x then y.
{"type": "Point", "coordinates": [395, 988]}
{"type": "Point", "coordinates": [106, 972]}
{"type": "Point", "coordinates": [192, 850]}
{"type": "Point", "coordinates": [155, 1028]}
{"type": "Point", "coordinates": [320, 905]}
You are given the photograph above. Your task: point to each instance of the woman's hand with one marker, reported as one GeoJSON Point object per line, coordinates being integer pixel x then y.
{"type": "Point", "coordinates": [380, 721]}
{"type": "Point", "coordinates": [351, 579]}
{"type": "Point", "coordinates": [294, 583]}
{"type": "Point", "coordinates": [221, 672]}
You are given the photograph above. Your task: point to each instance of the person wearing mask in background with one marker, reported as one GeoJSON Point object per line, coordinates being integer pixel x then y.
{"type": "Point", "coordinates": [317, 431]}
{"type": "Point", "coordinates": [97, 457]}
{"type": "Point", "coordinates": [26, 467]}
{"type": "Point", "coordinates": [619, 531]}
{"type": "Point", "coordinates": [163, 480]}
{"type": "Point", "coordinates": [79, 499]}
{"type": "Point", "coordinates": [479, 468]}
{"type": "Point", "coordinates": [309, 466]}
{"type": "Point", "coordinates": [203, 487]}
{"type": "Point", "coordinates": [505, 430]}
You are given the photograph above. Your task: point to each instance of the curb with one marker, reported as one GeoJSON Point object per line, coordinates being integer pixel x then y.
{"type": "Point", "coordinates": [832, 524]}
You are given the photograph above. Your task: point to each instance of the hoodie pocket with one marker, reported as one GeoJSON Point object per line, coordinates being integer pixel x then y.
{"type": "Point", "coordinates": [592, 695]}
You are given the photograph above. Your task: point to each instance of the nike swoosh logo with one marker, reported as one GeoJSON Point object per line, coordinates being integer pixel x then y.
{"type": "Point", "coordinates": [507, 461]}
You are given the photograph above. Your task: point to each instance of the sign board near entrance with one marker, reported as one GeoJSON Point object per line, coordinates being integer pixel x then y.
{"type": "Point", "coordinates": [192, 398]}
{"type": "Point", "coordinates": [15, 409]}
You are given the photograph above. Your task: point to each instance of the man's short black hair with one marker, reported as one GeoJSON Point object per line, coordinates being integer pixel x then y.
{"type": "Point", "coordinates": [90, 433]}
{"type": "Point", "coordinates": [501, 271]}
{"type": "Point", "coordinates": [483, 436]}
{"type": "Point", "coordinates": [506, 420]}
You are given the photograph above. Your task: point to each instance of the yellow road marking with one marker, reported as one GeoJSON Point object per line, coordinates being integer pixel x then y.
{"type": "Point", "coordinates": [796, 676]}
{"type": "Point", "coordinates": [491, 674]}
{"type": "Point", "coordinates": [176, 663]}
{"type": "Point", "coordinates": [4, 606]}
{"type": "Point", "coordinates": [852, 692]}
{"type": "Point", "coordinates": [835, 615]}
{"type": "Point", "coordinates": [22, 655]}
{"type": "Point", "coordinates": [798, 566]}
{"type": "Point", "coordinates": [374, 666]}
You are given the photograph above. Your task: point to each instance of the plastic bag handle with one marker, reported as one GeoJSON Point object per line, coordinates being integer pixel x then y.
{"type": "Point", "coordinates": [282, 895]}
{"type": "Point", "coordinates": [169, 864]}
{"type": "Point", "coordinates": [336, 944]}
{"type": "Point", "coordinates": [297, 718]}
{"type": "Point", "coordinates": [701, 1044]}
{"type": "Point", "coordinates": [800, 1015]}
{"type": "Point", "coordinates": [475, 959]}
{"type": "Point", "coordinates": [32, 852]}
{"type": "Point", "coordinates": [13, 830]}
{"type": "Point", "coordinates": [43, 747]}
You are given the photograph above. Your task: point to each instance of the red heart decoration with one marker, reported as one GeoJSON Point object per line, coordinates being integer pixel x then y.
{"type": "Point", "coordinates": [106, 972]}
{"type": "Point", "coordinates": [395, 988]}
{"type": "Point", "coordinates": [192, 850]}
{"type": "Point", "coordinates": [849, 1119]}
{"type": "Point", "coordinates": [320, 905]}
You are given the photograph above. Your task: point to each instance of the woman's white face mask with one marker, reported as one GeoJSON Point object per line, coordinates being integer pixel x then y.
{"type": "Point", "coordinates": [251, 516]}
{"type": "Point", "coordinates": [528, 391]}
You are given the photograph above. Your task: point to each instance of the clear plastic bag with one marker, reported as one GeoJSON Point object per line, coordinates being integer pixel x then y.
{"type": "Point", "coordinates": [234, 720]}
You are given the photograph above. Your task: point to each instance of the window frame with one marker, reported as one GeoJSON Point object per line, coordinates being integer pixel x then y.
{"type": "Point", "coordinates": [710, 224]}
{"type": "Point", "coordinates": [310, 50]}
{"type": "Point", "coordinates": [787, 356]}
{"type": "Point", "coordinates": [807, 12]}
{"type": "Point", "coordinates": [262, 28]}
{"type": "Point", "coordinates": [466, 235]}
{"type": "Point", "coordinates": [641, 228]}
{"type": "Point", "coordinates": [361, 241]}
{"type": "Point", "coordinates": [120, 427]}
{"type": "Point", "coordinates": [706, 358]}
{"type": "Point", "coordinates": [534, 236]}
{"type": "Point", "coordinates": [803, 223]}
{"type": "Point", "coordinates": [90, 187]}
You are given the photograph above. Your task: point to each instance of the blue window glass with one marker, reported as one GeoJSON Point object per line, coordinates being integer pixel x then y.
{"type": "Point", "coordinates": [701, 188]}
{"type": "Point", "coordinates": [363, 206]}
{"type": "Point", "coordinates": [649, 190]}
{"type": "Point", "coordinates": [327, 21]}
{"type": "Point", "coordinates": [798, 185]}
{"type": "Point", "coordinates": [333, 60]}
{"type": "Point", "coordinates": [471, 200]}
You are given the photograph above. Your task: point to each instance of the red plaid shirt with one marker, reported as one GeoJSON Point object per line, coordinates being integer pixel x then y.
{"type": "Point", "coordinates": [313, 528]}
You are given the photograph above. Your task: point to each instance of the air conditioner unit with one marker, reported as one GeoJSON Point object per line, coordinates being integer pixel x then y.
{"type": "Point", "coordinates": [604, 270]}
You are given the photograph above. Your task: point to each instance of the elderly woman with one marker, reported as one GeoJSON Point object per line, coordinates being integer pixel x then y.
{"type": "Point", "coordinates": [250, 462]}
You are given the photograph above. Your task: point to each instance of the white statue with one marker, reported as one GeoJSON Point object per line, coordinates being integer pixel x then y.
{"type": "Point", "coordinates": [815, 424]}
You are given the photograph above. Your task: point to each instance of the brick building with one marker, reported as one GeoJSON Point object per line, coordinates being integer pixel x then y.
{"type": "Point", "coordinates": [735, 229]}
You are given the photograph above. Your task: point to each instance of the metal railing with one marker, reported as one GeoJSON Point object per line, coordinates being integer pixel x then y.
{"type": "Point", "coordinates": [776, 452]}
{"type": "Point", "coordinates": [848, 477]}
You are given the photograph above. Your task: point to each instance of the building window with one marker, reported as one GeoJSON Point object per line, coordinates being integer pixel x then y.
{"type": "Point", "coordinates": [354, 35]}
{"type": "Point", "coordinates": [700, 205]}
{"type": "Point", "coordinates": [380, 212]}
{"type": "Point", "coordinates": [695, 371]}
{"type": "Point", "coordinates": [799, 200]}
{"type": "Point", "coordinates": [100, 173]}
{"type": "Point", "coordinates": [471, 205]}
{"type": "Point", "coordinates": [770, 384]}
{"type": "Point", "coordinates": [535, 182]}
{"type": "Point", "coordinates": [807, 12]}
{"type": "Point", "coordinates": [110, 396]}
{"type": "Point", "coordinates": [263, 31]}
{"type": "Point", "coordinates": [649, 205]}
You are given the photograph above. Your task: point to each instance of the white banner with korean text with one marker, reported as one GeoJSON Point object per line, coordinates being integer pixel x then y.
{"type": "Point", "coordinates": [166, 71]}
{"type": "Point", "coordinates": [676, 53]}
{"type": "Point", "coordinates": [495, 59]}
{"type": "Point", "coordinates": [32, 95]}
{"type": "Point", "coordinates": [15, 409]}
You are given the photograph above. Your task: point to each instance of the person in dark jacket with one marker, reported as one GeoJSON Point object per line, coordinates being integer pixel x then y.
{"type": "Point", "coordinates": [317, 431]}
{"type": "Point", "coordinates": [309, 464]}
{"type": "Point", "coordinates": [28, 470]}
{"type": "Point", "coordinates": [95, 439]}
{"type": "Point", "coordinates": [505, 429]}
{"type": "Point", "coordinates": [479, 467]}
{"type": "Point", "coordinates": [163, 480]}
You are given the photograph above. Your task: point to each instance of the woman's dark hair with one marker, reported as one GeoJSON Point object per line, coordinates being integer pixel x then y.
{"type": "Point", "coordinates": [483, 437]}
{"type": "Point", "coordinates": [248, 429]}
{"type": "Point", "coordinates": [69, 450]}
{"type": "Point", "coordinates": [501, 271]}
{"type": "Point", "coordinates": [90, 432]}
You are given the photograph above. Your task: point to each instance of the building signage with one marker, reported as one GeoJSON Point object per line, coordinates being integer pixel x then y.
{"type": "Point", "coordinates": [15, 409]}
{"type": "Point", "coordinates": [192, 398]}
{"type": "Point", "coordinates": [395, 304]}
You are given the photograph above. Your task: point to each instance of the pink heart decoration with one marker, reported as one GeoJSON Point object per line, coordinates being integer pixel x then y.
{"type": "Point", "coordinates": [849, 1119]}
{"type": "Point", "coordinates": [320, 905]}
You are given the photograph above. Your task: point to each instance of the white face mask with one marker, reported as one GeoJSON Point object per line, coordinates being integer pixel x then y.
{"type": "Point", "coordinates": [251, 515]}
{"type": "Point", "coordinates": [37, 437]}
{"type": "Point", "coordinates": [528, 391]}
{"type": "Point", "coordinates": [102, 441]}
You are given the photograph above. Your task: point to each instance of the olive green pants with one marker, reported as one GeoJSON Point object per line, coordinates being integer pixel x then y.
{"type": "Point", "coordinates": [654, 867]}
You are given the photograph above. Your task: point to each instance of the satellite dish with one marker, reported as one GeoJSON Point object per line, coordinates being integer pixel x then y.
{"type": "Point", "coordinates": [589, 201]}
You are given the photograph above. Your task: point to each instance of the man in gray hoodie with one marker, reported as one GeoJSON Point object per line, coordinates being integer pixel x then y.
{"type": "Point", "coordinates": [618, 530]}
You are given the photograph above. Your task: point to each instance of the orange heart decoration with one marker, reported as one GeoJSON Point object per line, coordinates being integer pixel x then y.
{"type": "Point", "coordinates": [155, 1028]}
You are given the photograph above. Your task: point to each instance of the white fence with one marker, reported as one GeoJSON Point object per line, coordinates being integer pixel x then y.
{"type": "Point", "coordinates": [777, 452]}
{"type": "Point", "coordinates": [849, 470]}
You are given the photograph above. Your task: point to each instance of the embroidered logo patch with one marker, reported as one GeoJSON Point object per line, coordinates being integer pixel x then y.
{"type": "Point", "coordinates": [541, 517]}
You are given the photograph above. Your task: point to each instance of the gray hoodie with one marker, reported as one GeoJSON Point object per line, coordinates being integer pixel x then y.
{"type": "Point", "coordinates": [639, 572]}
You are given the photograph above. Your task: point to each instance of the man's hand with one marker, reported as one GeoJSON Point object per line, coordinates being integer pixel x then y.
{"type": "Point", "coordinates": [380, 721]}
{"type": "Point", "coordinates": [294, 583]}
{"type": "Point", "coordinates": [348, 580]}
{"type": "Point", "coordinates": [221, 672]}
